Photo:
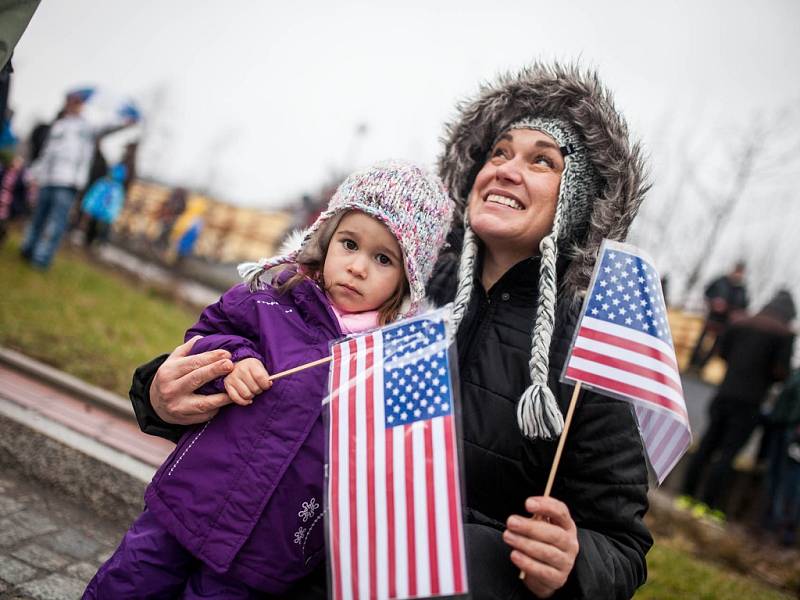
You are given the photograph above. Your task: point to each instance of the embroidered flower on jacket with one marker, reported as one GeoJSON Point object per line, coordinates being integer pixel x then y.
{"type": "Point", "coordinates": [299, 535]}
{"type": "Point", "coordinates": [308, 509]}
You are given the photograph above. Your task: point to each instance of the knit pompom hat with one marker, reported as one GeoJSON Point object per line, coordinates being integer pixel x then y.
{"type": "Point", "coordinates": [601, 188]}
{"type": "Point", "coordinates": [411, 202]}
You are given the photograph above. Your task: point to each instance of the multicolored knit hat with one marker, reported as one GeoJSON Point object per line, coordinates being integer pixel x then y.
{"type": "Point", "coordinates": [412, 203]}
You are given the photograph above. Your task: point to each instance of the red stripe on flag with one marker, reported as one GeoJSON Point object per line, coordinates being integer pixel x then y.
{"type": "Point", "coordinates": [390, 513]}
{"type": "Point", "coordinates": [410, 524]}
{"type": "Point", "coordinates": [625, 365]}
{"type": "Point", "coordinates": [334, 478]}
{"type": "Point", "coordinates": [433, 554]}
{"type": "Point", "coordinates": [674, 428]}
{"type": "Point", "coordinates": [351, 456]}
{"type": "Point", "coordinates": [624, 388]}
{"type": "Point", "coordinates": [621, 342]}
{"type": "Point", "coordinates": [454, 503]}
{"type": "Point", "coordinates": [370, 398]}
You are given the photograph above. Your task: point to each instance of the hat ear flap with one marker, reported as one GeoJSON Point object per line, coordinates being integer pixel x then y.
{"type": "Point", "coordinates": [466, 273]}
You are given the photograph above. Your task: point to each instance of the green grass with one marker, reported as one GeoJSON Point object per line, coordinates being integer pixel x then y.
{"type": "Point", "coordinates": [677, 574]}
{"type": "Point", "coordinates": [85, 319]}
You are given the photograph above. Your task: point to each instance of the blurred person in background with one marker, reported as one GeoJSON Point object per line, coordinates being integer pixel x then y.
{"type": "Point", "coordinates": [129, 160]}
{"type": "Point", "coordinates": [783, 469]}
{"type": "Point", "coordinates": [62, 170]}
{"type": "Point", "coordinates": [38, 137]}
{"type": "Point", "coordinates": [8, 139]}
{"type": "Point", "coordinates": [725, 297]}
{"type": "Point", "coordinates": [168, 214]}
{"type": "Point", "coordinates": [102, 204]}
{"type": "Point", "coordinates": [15, 193]}
{"type": "Point", "coordinates": [758, 351]}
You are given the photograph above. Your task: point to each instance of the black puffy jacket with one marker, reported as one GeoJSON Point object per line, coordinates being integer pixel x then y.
{"type": "Point", "coordinates": [602, 477]}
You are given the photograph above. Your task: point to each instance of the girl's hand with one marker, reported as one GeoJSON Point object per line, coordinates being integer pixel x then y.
{"type": "Point", "coordinates": [544, 545]}
{"type": "Point", "coordinates": [248, 379]}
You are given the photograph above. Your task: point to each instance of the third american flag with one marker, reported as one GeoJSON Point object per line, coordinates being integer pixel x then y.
{"type": "Point", "coordinates": [623, 347]}
{"type": "Point", "coordinates": [393, 495]}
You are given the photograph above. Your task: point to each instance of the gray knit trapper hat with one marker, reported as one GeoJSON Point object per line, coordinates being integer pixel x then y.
{"type": "Point", "coordinates": [410, 201]}
{"type": "Point", "coordinates": [602, 186]}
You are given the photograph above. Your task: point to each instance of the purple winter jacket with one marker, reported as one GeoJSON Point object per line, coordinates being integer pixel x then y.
{"type": "Point", "coordinates": [243, 492]}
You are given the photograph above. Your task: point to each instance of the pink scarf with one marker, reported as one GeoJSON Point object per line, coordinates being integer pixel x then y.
{"type": "Point", "coordinates": [356, 322]}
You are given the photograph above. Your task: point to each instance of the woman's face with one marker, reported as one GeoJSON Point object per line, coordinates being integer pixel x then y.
{"type": "Point", "coordinates": [513, 200]}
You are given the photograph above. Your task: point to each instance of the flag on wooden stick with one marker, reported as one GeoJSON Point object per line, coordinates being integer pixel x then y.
{"type": "Point", "coordinates": [623, 347]}
{"type": "Point", "coordinates": [393, 491]}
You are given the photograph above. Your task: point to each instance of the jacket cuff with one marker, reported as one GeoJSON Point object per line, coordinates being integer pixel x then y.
{"type": "Point", "coordinates": [244, 352]}
{"type": "Point", "coordinates": [149, 422]}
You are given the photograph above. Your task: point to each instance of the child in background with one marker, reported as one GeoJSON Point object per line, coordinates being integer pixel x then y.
{"type": "Point", "coordinates": [235, 511]}
{"type": "Point", "coordinates": [17, 194]}
{"type": "Point", "coordinates": [102, 203]}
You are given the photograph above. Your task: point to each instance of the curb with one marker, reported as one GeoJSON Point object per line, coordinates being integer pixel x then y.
{"type": "Point", "coordinates": [109, 482]}
{"type": "Point", "coordinates": [98, 396]}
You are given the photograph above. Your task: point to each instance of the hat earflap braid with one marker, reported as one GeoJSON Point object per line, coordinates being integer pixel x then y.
{"type": "Point", "coordinates": [538, 413]}
{"type": "Point", "coordinates": [466, 273]}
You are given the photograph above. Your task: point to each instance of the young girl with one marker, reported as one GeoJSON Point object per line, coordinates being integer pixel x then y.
{"type": "Point", "coordinates": [235, 510]}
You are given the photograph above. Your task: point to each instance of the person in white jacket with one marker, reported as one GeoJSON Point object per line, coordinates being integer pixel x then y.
{"type": "Point", "coordinates": [61, 171]}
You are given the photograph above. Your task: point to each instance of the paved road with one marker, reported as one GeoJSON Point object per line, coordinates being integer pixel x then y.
{"type": "Point", "coordinates": [49, 546]}
{"type": "Point", "coordinates": [698, 394]}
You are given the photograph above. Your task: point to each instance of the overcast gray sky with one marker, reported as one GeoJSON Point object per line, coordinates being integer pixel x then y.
{"type": "Point", "coordinates": [279, 88]}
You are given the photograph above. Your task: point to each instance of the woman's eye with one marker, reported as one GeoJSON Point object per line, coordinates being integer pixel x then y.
{"type": "Point", "coordinates": [350, 244]}
{"type": "Point", "coordinates": [544, 160]}
{"type": "Point", "coordinates": [384, 260]}
{"type": "Point", "coordinates": [499, 152]}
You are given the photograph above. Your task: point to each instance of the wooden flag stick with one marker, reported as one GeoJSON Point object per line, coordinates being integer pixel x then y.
{"type": "Point", "coordinates": [300, 368]}
{"type": "Point", "coordinates": [561, 441]}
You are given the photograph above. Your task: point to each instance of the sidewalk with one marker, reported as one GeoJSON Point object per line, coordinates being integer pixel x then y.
{"type": "Point", "coordinates": [73, 468]}
{"type": "Point", "coordinates": [50, 547]}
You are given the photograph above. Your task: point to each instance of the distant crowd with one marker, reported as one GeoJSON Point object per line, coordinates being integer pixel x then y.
{"type": "Point", "coordinates": [757, 348]}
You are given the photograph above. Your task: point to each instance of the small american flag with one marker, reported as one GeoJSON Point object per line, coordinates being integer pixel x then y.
{"type": "Point", "coordinates": [393, 491]}
{"type": "Point", "coordinates": [623, 348]}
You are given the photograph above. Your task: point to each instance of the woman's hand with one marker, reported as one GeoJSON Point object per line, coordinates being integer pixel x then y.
{"type": "Point", "coordinates": [544, 545]}
{"type": "Point", "coordinates": [172, 390]}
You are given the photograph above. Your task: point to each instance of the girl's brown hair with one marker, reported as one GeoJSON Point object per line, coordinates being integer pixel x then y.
{"type": "Point", "coordinates": [312, 269]}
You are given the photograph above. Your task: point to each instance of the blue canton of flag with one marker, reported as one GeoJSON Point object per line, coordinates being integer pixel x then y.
{"type": "Point", "coordinates": [416, 372]}
{"type": "Point", "coordinates": [627, 292]}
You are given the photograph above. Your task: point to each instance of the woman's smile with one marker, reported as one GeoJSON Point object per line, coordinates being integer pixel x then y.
{"type": "Point", "coordinates": [504, 200]}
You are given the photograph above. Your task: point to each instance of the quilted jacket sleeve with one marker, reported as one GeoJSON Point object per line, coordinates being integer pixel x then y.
{"type": "Point", "coordinates": [228, 324]}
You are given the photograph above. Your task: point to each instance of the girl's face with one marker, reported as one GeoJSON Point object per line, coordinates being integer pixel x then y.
{"type": "Point", "coordinates": [513, 200]}
{"type": "Point", "coordinates": [363, 266]}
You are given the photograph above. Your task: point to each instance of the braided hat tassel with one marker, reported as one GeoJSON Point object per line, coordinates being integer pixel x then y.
{"type": "Point", "coordinates": [465, 273]}
{"type": "Point", "coordinates": [538, 413]}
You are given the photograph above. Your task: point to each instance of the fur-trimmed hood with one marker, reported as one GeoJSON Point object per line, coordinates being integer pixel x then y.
{"type": "Point", "coordinates": [575, 95]}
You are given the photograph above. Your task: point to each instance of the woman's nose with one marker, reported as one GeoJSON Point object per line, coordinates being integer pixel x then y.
{"type": "Point", "coordinates": [509, 171]}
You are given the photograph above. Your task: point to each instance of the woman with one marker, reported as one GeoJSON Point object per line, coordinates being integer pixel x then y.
{"type": "Point", "coordinates": [542, 163]}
